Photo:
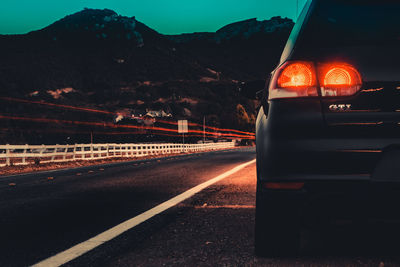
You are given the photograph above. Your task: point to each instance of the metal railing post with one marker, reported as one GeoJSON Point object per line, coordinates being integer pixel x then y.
{"type": "Point", "coordinates": [8, 163]}
{"type": "Point", "coordinates": [91, 151]}
{"type": "Point", "coordinates": [65, 152]}
{"type": "Point", "coordinates": [24, 156]}
{"type": "Point", "coordinates": [74, 153]}
{"type": "Point", "coordinates": [54, 152]}
{"type": "Point", "coordinates": [41, 151]}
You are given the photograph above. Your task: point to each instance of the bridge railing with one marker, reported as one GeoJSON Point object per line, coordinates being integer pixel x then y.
{"type": "Point", "coordinates": [35, 154]}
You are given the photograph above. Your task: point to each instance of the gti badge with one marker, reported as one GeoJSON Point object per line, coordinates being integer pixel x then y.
{"type": "Point", "coordinates": [340, 107]}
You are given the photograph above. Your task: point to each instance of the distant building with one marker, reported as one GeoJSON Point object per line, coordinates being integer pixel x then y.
{"type": "Point", "coordinates": [158, 114]}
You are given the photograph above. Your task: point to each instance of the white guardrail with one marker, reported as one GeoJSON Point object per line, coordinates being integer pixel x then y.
{"type": "Point", "coordinates": [33, 154]}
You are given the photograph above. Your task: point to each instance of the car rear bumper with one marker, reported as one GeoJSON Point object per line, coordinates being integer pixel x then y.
{"type": "Point", "coordinates": [321, 159]}
{"type": "Point", "coordinates": [299, 145]}
{"type": "Point", "coordinates": [329, 159]}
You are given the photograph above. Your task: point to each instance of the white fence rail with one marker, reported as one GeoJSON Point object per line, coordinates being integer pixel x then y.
{"type": "Point", "coordinates": [31, 154]}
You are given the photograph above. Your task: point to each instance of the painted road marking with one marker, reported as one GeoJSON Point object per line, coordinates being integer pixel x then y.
{"type": "Point", "coordinates": [86, 246]}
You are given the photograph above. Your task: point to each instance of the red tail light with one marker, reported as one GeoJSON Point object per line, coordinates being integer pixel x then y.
{"type": "Point", "coordinates": [339, 79]}
{"type": "Point", "coordinates": [297, 75]}
{"type": "Point", "coordinates": [299, 79]}
{"type": "Point", "coordinates": [294, 79]}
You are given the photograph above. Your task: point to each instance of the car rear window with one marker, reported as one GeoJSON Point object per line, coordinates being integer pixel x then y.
{"type": "Point", "coordinates": [352, 23]}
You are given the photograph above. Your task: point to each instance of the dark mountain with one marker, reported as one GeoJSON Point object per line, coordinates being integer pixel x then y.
{"type": "Point", "coordinates": [245, 50]}
{"type": "Point", "coordinates": [88, 49]}
{"type": "Point", "coordinates": [89, 25]}
{"type": "Point", "coordinates": [96, 58]}
{"type": "Point", "coordinates": [239, 30]}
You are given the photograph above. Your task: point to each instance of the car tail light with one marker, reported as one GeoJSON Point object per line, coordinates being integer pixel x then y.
{"type": "Point", "coordinates": [339, 79]}
{"type": "Point", "coordinates": [294, 79]}
{"type": "Point", "coordinates": [296, 75]}
{"type": "Point", "coordinates": [301, 79]}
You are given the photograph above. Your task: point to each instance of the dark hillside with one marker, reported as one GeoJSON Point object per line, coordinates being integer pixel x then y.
{"type": "Point", "coordinates": [98, 59]}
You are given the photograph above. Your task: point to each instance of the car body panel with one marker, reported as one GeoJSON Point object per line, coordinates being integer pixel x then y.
{"type": "Point", "coordinates": [334, 137]}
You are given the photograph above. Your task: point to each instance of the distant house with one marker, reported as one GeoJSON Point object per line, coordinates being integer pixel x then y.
{"type": "Point", "coordinates": [158, 114]}
{"type": "Point", "coordinates": [146, 117]}
{"type": "Point", "coordinates": [147, 120]}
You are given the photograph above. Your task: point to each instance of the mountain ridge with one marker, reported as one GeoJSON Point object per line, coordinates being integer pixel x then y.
{"type": "Point", "coordinates": [244, 29]}
{"type": "Point", "coordinates": [102, 18]}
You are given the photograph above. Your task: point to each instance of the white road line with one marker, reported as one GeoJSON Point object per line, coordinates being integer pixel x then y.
{"type": "Point", "coordinates": [81, 248]}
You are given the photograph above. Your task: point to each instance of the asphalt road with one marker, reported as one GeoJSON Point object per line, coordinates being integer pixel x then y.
{"type": "Point", "coordinates": [41, 216]}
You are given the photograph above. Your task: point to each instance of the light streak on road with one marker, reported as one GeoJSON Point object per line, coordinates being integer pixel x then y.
{"type": "Point", "coordinates": [111, 125]}
{"type": "Point", "coordinates": [92, 110]}
{"type": "Point", "coordinates": [208, 127]}
{"type": "Point", "coordinates": [58, 105]}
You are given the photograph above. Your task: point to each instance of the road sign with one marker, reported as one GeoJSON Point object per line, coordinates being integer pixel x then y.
{"type": "Point", "coordinates": [182, 126]}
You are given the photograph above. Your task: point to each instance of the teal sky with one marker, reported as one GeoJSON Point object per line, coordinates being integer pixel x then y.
{"type": "Point", "coordinates": [165, 16]}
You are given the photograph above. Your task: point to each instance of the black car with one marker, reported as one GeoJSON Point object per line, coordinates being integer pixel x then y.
{"type": "Point", "coordinates": [328, 131]}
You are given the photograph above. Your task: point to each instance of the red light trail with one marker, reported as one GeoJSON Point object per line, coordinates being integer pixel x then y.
{"type": "Point", "coordinates": [113, 113]}
{"type": "Point", "coordinates": [209, 127]}
{"type": "Point", "coordinates": [66, 131]}
{"type": "Point", "coordinates": [57, 105]}
{"type": "Point", "coordinates": [111, 125]}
